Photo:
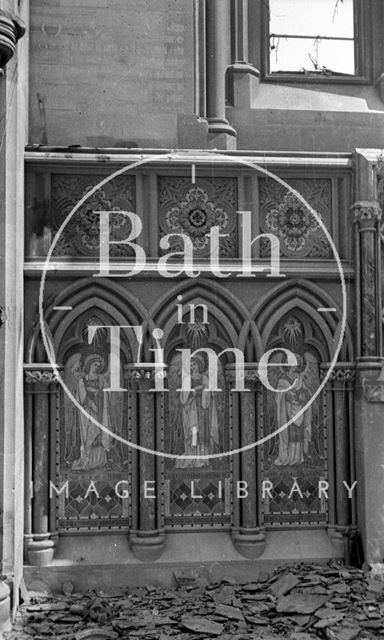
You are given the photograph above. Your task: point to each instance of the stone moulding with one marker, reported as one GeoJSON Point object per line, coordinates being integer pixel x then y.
{"type": "Point", "coordinates": [11, 30]}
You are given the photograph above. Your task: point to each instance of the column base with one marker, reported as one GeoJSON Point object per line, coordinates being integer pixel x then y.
{"type": "Point", "coordinates": [341, 537]}
{"type": "Point", "coordinates": [221, 135]}
{"type": "Point", "coordinates": [380, 86]}
{"type": "Point", "coordinates": [249, 542]}
{"type": "Point", "coordinates": [40, 550]}
{"type": "Point", "coordinates": [5, 607]}
{"type": "Point", "coordinates": [147, 546]}
{"type": "Point", "coordinates": [244, 83]}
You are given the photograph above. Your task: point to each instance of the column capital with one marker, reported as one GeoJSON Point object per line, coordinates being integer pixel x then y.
{"type": "Point", "coordinates": [39, 373]}
{"type": "Point", "coordinates": [366, 213]}
{"type": "Point", "coordinates": [144, 375]}
{"type": "Point", "coordinates": [342, 372]}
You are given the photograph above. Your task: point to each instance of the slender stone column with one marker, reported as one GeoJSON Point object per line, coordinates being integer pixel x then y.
{"type": "Point", "coordinates": [244, 77]}
{"type": "Point", "coordinates": [14, 136]}
{"type": "Point", "coordinates": [40, 386]}
{"type": "Point", "coordinates": [221, 134]}
{"type": "Point", "coordinates": [367, 216]}
{"type": "Point", "coordinates": [248, 535]}
{"type": "Point", "coordinates": [147, 540]}
{"type": "Point", "coordinates": [343, 528]}
{"type": "Point", "coordinates": [369, 392]}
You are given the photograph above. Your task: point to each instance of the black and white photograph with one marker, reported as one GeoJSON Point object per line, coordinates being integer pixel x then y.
{"type": "Point", "coordinates": [191, 319]}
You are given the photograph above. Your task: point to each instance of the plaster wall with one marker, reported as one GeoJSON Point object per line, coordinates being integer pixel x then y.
{"type": "Point", "coordinates": [110, 74]}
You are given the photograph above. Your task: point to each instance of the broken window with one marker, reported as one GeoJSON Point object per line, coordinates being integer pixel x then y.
{"type": "Point", "coordinates": [312, 37]}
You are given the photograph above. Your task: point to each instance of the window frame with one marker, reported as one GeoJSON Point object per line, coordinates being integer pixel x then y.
{"type": "Point", "coordinates": [362, 11]}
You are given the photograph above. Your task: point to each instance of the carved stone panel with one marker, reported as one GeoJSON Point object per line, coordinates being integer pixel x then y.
{"type": "Point", "coordinates": [284, 215]}
{"type": "Point", "coordinates": [294, 461]}
{"type": "Point", "coordinates": [193, 209]}
{"type": "Point", "coordinates": [81, 237]}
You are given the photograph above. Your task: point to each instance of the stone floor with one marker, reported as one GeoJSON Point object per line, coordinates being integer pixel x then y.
{"type": "Point", "coordinates": [303, 602]}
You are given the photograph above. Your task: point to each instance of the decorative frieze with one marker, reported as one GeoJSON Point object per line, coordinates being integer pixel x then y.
{"type": "Point", "coordinates": [42, 376]}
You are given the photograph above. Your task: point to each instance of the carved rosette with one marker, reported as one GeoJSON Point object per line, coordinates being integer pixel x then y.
{"type": "Point", "coordinates": [285, 216]}
{"type": "Point", "coordinates": [193, 210]}
{"type": "Point", "coordinates": [11, 29]}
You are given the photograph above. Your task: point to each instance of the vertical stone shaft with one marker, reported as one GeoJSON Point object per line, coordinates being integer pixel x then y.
{"type": "Point", "coordinates": [218, 52]}
{"type": "Point", "coordinates": [217, 43]}
{"type": "Point", "coordinates": [40, 436]}
{"type": "Point", "coordinates": [40, 459]}
{"type": "Point", "coordinates": [367, 216]}
{"type": "Point", "coordinates": [248, 537]}
{"type": "Point", "coordinates": [147, 539]}
{"type": "Point", "coordinates": [241, 30]}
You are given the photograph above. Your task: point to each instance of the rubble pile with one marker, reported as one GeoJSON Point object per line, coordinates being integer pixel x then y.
{"type": "Point", "coordinates": [298, 603]}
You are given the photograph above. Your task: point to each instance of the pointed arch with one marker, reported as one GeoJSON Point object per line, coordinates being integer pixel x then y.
{"type": "Point", "coordinates": [110, 299]}
{"type": "Point", "coordinates": [308, 297]}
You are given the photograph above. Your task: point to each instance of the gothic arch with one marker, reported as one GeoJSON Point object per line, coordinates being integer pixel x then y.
{"type": "Point", "coordinates": [227, 310]}
{"type": "Point", "coordinates": [308, 297]}
{"type": "Point", "coordinates": [112, 301]}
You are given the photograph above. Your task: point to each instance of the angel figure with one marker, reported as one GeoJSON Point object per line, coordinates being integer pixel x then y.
{"type": "Point", "coordinates": [294, 388]}
{"type": "Point", "coordinates": [88, 383]}
{"type": "Point", "coordinates": [194, 414]}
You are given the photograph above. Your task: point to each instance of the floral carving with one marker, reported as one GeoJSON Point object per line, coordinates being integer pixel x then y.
{"type": "Point", "coordinates": [34, 376]}
{"type": "Point", "coordinates": [194, 209]}
{"type": "Point", "coordinates": [285, 216]}
{"type": "Point", "coordinates": [81, 234]}
{"type": "Point", "coordinates": [293, 222]}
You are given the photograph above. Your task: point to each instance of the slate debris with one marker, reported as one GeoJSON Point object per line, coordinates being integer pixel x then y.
{"type": "Point", "coordinates": [303, 602]}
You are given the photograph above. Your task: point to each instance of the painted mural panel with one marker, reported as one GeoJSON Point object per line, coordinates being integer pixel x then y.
{"type": "Point", "coordinates": [294, 461]}
{"type": "Point", "coordinates": [197, 424]}
{"type": "Point", "coordinates": [94, 464]}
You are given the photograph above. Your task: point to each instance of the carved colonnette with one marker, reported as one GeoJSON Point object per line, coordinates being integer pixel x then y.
{"type": "Point", "coordinates": [366, 218]}
{"type": "Point", "coordinates": [147, 536]}
{"type": "Point", "coordinates": [340, 389]}
{"type": "Point", "coordinates": [41, 387]}
{"type": "Point", "coordinates": [248, 532]}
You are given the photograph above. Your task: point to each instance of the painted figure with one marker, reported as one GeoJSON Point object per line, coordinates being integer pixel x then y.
{"type": "Point", "coordinates": [95, 443]}
{"type": "Point", "coordinates": [294, 389]}
{"type": "Point", "coordinates": [195, 416]}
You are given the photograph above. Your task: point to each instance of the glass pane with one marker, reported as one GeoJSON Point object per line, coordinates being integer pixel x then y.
{"type": "Point", "coordinates": [312, 17]}
{"type": "Point", "coordinates": [294, 54]}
